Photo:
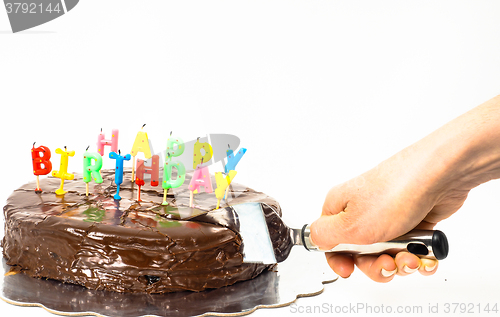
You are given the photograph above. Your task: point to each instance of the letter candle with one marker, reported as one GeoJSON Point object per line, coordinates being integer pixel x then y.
{"type": "Point", "coordinates": [168, 182]}
{"type": "Point", "coordinates": [153, 170]}
{"type": "Point", "coordinates": [113, 142]}
{"type": "Point", "coordinates": [63, 169]}
{"type": "Point", "coordinates": [232, 161]}
{"type": "Point", "coordinates": [141, 144]}
{"type": "Point", "coordinates": [222, 184]}
{"type": "Point", "coordinates": [91, 171]}
{"type": "Point", "coordinates": [201, 177]}
{"type": "Point", "coordinates": [198, 158]}
{"type": "Point", "coordinates": [41, 163]}
{"type": "Point", "coordinates": [118, 170]}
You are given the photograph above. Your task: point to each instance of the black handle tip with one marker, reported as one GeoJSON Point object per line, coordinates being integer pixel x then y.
{"type": "Point", "coordinates": [440, 246]}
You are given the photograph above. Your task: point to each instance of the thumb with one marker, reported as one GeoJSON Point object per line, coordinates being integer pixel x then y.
{"type": "Point", "coordinates": [329, 230]}
{"type": "Point", "coordinates": [332, 227]}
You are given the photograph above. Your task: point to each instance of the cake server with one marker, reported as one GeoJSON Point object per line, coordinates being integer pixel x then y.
{"type": "Point", "coordinates": [257, 229]}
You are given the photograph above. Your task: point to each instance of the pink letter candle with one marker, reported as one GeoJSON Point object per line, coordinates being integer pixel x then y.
{"type": "Point", "coordinates": [113, 142]}
{"type": "Point", "coordinates": [201, 177]}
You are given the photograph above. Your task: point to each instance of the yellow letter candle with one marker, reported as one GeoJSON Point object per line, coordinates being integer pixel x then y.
{"type": "Point", "coordinates": [141, 145]}
{"type": "Point", "coordinates": [62, 173]}
{"type": "Point", "coordinates": [222, 184]}
{"type": "Point", "coordinates": [198, 157]}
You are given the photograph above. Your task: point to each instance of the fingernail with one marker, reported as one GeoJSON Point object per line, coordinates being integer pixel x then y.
{"type": "Point", "coordinates": [386, 273]}
{"type": "Point", "coordinates": [430, 268]}
{"type": "Point", "coordinates": [408, 270]}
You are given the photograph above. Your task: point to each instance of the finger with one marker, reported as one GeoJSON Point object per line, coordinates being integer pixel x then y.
{"type": "Point", "coordinates": [335, 202]}
{"type": "Point", "coordinates": [379, 268]}
{"type": "Point", "coordinates": [424, 225]}
{"type": "Point", "coordinates": [341, 264]}
{"type": "Point", "coordinates": [428, 266]}
{"type": "Point", "coordinates": [328, 231]}
{"type": "Point", "coordinates": [407, 263]}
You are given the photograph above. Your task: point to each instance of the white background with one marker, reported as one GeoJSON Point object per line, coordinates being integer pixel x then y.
{"type": "Point", "coordinates": [318, 92]}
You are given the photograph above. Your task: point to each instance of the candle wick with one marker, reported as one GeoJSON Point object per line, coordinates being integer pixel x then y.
{"type": "Point", "coordinates": [87, 148]}
{"type": "Point", "coordinates": [65, 148]}
{"type": "Point", "coordinates": [143, 126]}
{"type": "Point", "coordinates": [228, 146]}
{"type": "Point", "coordinates": [34, 144]}
{"type": "Point", "coordinates": [119, 152]}
{"type": "Point", "coordinates": [170, 133]}
{"type": "Point", "coordinates": [198, 139]}
{"type": "Point", "coordinates": [101, 130]}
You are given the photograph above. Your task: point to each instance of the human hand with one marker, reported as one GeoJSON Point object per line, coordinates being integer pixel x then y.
{"type": "Point", "coordinates": [416, 188]}
{"type": "Point", "coordinates": [381, 205]}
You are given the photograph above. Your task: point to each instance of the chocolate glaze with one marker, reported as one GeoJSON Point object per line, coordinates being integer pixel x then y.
{"type": "Point", "coordinates": [129, 246]}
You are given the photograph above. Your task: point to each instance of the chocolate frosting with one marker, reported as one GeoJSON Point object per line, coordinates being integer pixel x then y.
{"type": "Point", "coordinates": [131, 246]}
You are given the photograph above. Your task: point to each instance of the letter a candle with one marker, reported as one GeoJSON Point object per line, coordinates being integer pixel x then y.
{"type": "Point", "coordinates": [141, 144]}
{"type": "Point", "coordinates": [41, 163]}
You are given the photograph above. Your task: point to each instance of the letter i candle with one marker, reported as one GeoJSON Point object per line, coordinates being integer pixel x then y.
{"type": "Point", "coordinates": [41, 163]}
{"type": "Point", "coordinates": [62, 173]}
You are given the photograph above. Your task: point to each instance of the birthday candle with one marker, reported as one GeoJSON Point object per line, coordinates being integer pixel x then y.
{"type": "Point", "coordinates": [118, 170]}
{"type": "Point", "coordinates": [141, 144]}
{"type": "Point", "coordinates": [172, 152]}
{"type": "Point", "coordinates": [201, 177]}
{"type": "Point", "coordinates": [91, 171]}
{"type": "Point", "coordinates": [63, 169]}
{"type": "Point", "coordinates": [41, 163]}
{"type": "Point", "coordinates": [199, 158]}
{"type": "Point", "coordinates": [113, 142]}
{"type": "Point", "coordinates": [233, 159]}
{"type": "Point", "coordinates": [222, 184]}
{"type": "Point", "coordinates": [153, 170]}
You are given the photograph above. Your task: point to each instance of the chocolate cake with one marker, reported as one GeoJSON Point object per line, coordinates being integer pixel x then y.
{"type": "Point", "coordinates": [126, 245]}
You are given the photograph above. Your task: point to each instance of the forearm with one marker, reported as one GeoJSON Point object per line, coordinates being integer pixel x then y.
{"type": "Point", "coordinates": [467, 149]}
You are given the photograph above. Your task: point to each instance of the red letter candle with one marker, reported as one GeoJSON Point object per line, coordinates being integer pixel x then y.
{"type": "Point", "coordinates": [41, 163]}
{"type": "Point", "coordinates": [153, 170]}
